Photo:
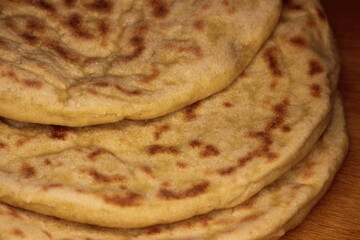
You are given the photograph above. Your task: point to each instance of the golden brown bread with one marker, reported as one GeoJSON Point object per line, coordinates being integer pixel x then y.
{"type": "Point", "coordinates": [268, 215]}
{"type": "Point", "coordinates": [78, 63]}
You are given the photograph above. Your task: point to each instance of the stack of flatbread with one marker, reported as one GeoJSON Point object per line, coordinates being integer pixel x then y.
{"type": "Point", "coordinates": [165, 119]}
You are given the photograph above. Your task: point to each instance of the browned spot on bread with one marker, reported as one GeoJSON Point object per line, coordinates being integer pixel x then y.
{"type": "Point", "coordinates": [227, 171]}
{"type": "Point", "coordinates": [292, 6]}
{"type": "Point", "coordinates": [51, 186]}
{"type": "Point", "coordinates": [123, 187]}
{"type": "Point", "coordinates": [181, 164]}
{"type": "Point", "coordinates": [69, 3]}
{"type": "Point", "coordinates": [11, 26]}
{"type": "Point", "coordinates": [243, 74]}
{"type": "Point", "coordinates": [311, 23]}
{"type": "Point", "coordinates": [228, 104]}
{"type": "Point", "coordinates": [206, 6]}
{"type": "Point", "coordinates": [138, 42]}
{"type": "Point", "coordinates": [3, 44]}
{"type": "Point", "coordinates": [102, 84]}
{"type": "Point", "coordinates": [98, 152]}
{"type": "Point", "coordinates": [270, 56]}
{"type": "Point", "coordinates": [158, 149]}
{"type": "Point", "coordinates": [281, 112]}
{"type": "Point", "coordinates": [189, 224]}
{"type": "Point", "coordinates": [47, 234]}
{"type": "Point", "coordinates": [40, 4]}
{"type": "Point", "coordinates": [3, 145]}
{"type": "Point", "coordinates": [47, 162]}
{"type": "Point", "coordinates": [27, 170]}
{"type": "Point", "coordinates": [298, 41]}
{"type": "Point", "coordinates": [195, 190]}
{"type": "Point", "coordinates": [17, 232]}
{"type": "Point", "coordinates": [79, 150]}
{"type": "Point", "coordinates": [244, 160]}
{"type": "Point", "coordinates": [298, 186]}
{"type": "Point", "coordinates": [321, 14]}
{"type": "Point", "coordinates": [11, 74]}
{"type": "Point", "coordinates": [131, 199]}
{"type": "Point", "coordinates": [148, 171]}
{"type": "Point", "coordinates": [199, 24]}
{"type": "Point", "coordinates": [273, 85]}
{"type": "Point", "coordinates": [195, 50]}
{"type": "Point", "coordinates": [26, 82]}
{"type": "Point", "coordinates": [12, 212]}
{"type": "Point", "coordinates": [152, 230]}
{"type": "Point", "coordinates": [262, 135]}
{"type": "Point", "coordinates": [281, 108]}
{"type": "Point", "coordinates": [136, 53]}
{"type": "Point", "coordinates": [34, 26]}
{"type": "Point", "coordinates": [286, 128]}
{"type": "Point", "coordinates": [225, 2]}
{"type": "Point", "coordinates": [252, 217]}
{"type": "Point", "coordinates": [315, 67]}
{"type": "Point", "coordinates": [103, 178]}
{"type": "Point", "coordinates": [29, 38]}
{"type": "Point", "coordinates": [315, 90]}
{"type": "Point", "coordinates": [20, 142]}
{"type": "Point", "coordinates": [309, 170]}
{"type": "Point", "coordinates": [128, 92]}
{"type": "Point", "coordinates": [100, 6]}
{"type": "Point", "coordinates": [103, 28]}
{"type": "Point", "coordinates": [159, 8]}
{"type": "Point", "coordinates": [189, 111]}
{"type": "Point", "coordinates": [62, 52]}
{"type": "Point", "coordinates": [139, 48]}
{"type": "Point", "coordinates": [159, 130]}
{"type": "Point", "coordinates": [92, 91]}
{"type": "Point", "coordinates": [78, 190]}
{"type": "Point", "coordinates": [271, 155]}
{"type": "Point", "coordinates": [58, 132]}
{"type": "Point", "coordinates": [273, 124]}
{"type": "Point", "coordinates": [155, 73]}
{"type": "Point", "coordinates": [165, 184]}
{"type": "Point", "coordinates": [195, 143]}
{"type": "Point", "coordinates": [75, 25]}
{"type": "Point", "coordinates": [32, 83]}
{"type": "Point", "coordinates": [205, 220]}
{"type": "Point", "coordinates": [210, 151]}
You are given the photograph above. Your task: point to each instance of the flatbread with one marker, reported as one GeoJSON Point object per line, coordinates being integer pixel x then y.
{"type": "Point", "coordinates": [267, 215]}
{"type": "Point", "coordinates": [78, 63]}
{"type": "Point", "coordinates": [213, 154]}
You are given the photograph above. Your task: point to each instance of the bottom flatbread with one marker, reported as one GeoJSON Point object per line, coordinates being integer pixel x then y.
{"type": "Point", "coordinates": [268, 215]}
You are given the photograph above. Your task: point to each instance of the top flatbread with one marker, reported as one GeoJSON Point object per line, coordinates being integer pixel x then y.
{"type": "Point", "coordinates": [78, 63]}
{"type": "Point", "coordinates": [267, 215]}
{"type": "Point", "coordinates": [213, 154]}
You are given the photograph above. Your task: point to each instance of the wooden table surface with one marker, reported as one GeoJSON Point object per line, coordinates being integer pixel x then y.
{"type": "Point", "coordinates": [337, 215]}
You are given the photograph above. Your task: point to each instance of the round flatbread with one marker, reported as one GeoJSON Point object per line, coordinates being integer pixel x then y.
{"type": "Point", "coordinates": [79, 63]}
{"type": "Point", "coordinates": [213, 154]}
{"type": "Point", "coordinates": [267, 215]}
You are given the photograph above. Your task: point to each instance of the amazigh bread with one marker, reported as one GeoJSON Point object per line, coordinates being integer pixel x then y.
{"type": "Point", "coordinates": [267, 215]}
{"type": "Point", "coordinates": [213, 154]}
{"type": "Point", "coordinates": [78, 63]}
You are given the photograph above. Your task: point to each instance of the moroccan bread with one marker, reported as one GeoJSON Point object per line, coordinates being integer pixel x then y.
{"type": "Point", "coordinates": [266, 216]}
{"type": "Point", "coordinates": [79, 63]}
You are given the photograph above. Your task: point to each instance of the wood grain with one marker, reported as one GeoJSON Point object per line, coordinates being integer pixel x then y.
{"type": "Point", "coordinates": [337, 215]}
